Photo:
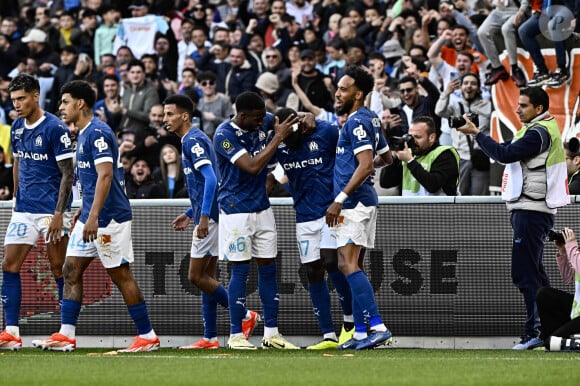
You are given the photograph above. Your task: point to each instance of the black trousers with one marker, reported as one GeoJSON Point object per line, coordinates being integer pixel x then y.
{"type": "Point", "coordinates": [554, 307]}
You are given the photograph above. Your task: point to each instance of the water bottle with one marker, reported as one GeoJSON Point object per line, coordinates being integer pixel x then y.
{"type": "Point", "coordinates": [564, 344]}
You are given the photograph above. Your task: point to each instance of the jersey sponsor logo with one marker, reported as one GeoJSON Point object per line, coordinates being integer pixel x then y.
{"type": "Point", "coordinates": [302, 164]}
{"type": "Point", "coordinates": [34, 156]}
{"type": "Point", "coordinates": [259, 150]}
{"type": "Point", "coordinates": [227, 146]}
{"type": "Point", "coordinates": [83, 164]}
{"type": "Point", "coordinates": [359, 132]}
{"type": "Point", "coordinates": [339, 150]}
{"type": "Point", "coordinates": [313, 147]}
{"type": "Point", "coordinates": [19, 131]}
{"type": "Point", "coordinates": [38, 141]}
{"type": "Point", "coordinates": [65, 140]}
{"type": "Point", "coordinates": [187, 170]}
{"type": "Point", "coordinates": [101, 145]}
{"type": "Point", "coordinates": [197, 150]}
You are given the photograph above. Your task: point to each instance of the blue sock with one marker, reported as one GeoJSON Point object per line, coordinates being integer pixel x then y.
{"type": "Point", "coordinates": [69, 311]}
{"type": "Point", "coordinates": [209, 312]}
{"type": "Point", "coordinates": [220, 295]}
{"type": "Point", "coordinates": [237, 295]}
{"type": "Point", "coordinates": [60, 286]}
{"type": "Point", "coordinates": [140, 317]}
{"type": "Point", "coordinates": [342, 290]}
{"type": "Point", "coordinates": [321, 303]}
{"type": "Point", "coordinates": [268, 288]}
{"type": "Point", "coordinates": [360, 323]}
{"type": "Point", "coordinates": [362, 293]}
{"type": "Point", "coordinates": [11, 297]}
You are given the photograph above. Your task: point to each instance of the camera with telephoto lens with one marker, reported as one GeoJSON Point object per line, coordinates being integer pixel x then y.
{"type": "Point", "coordinates": [398, 143]}
{"type": "Point", "coordinates": [554, 235]}
{"type": "Point", "coordinates": [455, 122]}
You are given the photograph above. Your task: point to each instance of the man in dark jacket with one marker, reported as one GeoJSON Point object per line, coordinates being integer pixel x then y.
{"type": "Point", "coordinates": [140, 184]}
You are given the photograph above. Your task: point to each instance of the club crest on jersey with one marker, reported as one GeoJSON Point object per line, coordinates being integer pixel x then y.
{"type": "Point", "coordinates": [38, 141]}
{"type": "Point", "coordinates": [227, 146]}
{"type": "Point", "coordinates": [81, 150]}
{"type": "Point", "coordinates": [65, 140]}
{"type": "Point", "coordinates": [101, 145]}
{"type": "Point", "coordinates": [359, 132]}
{"type": "Point", "coordinates": [197, 150]}
{"type": "Point", "coordinates": [313, 147]}
{"type": "Point", "coordinates": [261, 135]}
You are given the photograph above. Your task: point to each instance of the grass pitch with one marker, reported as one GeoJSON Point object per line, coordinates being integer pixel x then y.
{"type": "Point", "coordinates": [272, 367]}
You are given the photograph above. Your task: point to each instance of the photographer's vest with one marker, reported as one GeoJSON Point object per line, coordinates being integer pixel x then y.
{"type": "Point", "coordinates": [412, 187]}
{"type": "Point", "coordinates": [539, 183]}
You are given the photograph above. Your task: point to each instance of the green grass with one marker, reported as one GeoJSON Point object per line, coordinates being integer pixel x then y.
{"type": "Point", "coordinates": [222, 367]}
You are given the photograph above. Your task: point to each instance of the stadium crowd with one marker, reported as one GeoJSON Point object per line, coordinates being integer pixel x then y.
{"type": "Point", "coordinates": [136, 53]}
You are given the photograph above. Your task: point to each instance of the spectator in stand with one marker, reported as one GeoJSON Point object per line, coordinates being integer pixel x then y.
{"type": "Point", "coordinates": [42, 22]}
{"type": "Point", "coordinates": [274, 95]}
{"type": "Point", "coordinates": [106, 32]}
{"type": "Point", "coordinates": [84, 41]}
{"type": "Point", "coordinates": [474, 164]}
{"type": "Point", "coordinates": [9, 59]}
{"type": "Point", "coordinates": [6, 178]}
{"type": "Point", "coordinates": [141, 184]}
{"type": "Point", "coordinates": [274, 63]}
{"type": "Point", "coordinates": [63, 74]}
{"type": "Point", "coordinates": [316, 85]}
{"type": "Point", "coordinates": [505, 18]}
{"type": "Point", "coordinates": [529, 32]}
{"type": "Point", "coordinates": [41, 51]}
{"type": "Point", "coordinates": [109, 109]}
{"type": "Point", "coordinates": [239, 77]}
{"type": "Point", "coordinates": [67, 29]}
{"type": "Point", "coordinates": [216, 107]}
{"type": "Point", "coordinates": [185, 47]}
{"type": "Point", "coordinates": [201, 42]}
{"type": "Point", "coordinates": [138, 97]}
{"type": "Point", "coordinates": [170, 174]}
{"type": "Point", "coordinates": [572, 148]}
{"type": "Point", "coordinates": [413, 105]}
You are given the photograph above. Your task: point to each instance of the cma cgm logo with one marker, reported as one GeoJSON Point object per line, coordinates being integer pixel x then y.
{"type": "Point", "coordinates": [302, 164]}
{"type": "Point", "coordinates": [34, 156]}
{"type": "Point", "coordinates": [187, 171]}
{"type": "Point", "coordinates": [259, 150]}
{"type": "Point", "coordinates": [83, 164]}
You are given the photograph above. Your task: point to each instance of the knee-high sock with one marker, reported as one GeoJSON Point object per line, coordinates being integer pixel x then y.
{"type": "Point", "coordinates": [69, 311]}
{"type": "Point", "coordinates": [220, 295]}
{"type": "Point", "coordinates": [140, 316]}
{"type": "Point", "coordinates": [237, 296]}
{"type": "Point", "coordinates": [342, 290]}
{"type": "Point", "coordinates": [209, 312]}
{"type": "Point", "coordinates": [320, 297]}
{"type": "Point", "coordinates": [11, 297]}
{"type": "Point", "coordinates": [268, 288]}
{"type": "Point", "coordinates": [362, 292]}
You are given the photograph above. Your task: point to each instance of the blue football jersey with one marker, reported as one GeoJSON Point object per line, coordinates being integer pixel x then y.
{"type": "Point", "coordinates": [39, 148]}
{"type": "Point", "coordinates": [362, 131]}
{"type": "Point", "coordinates": [242, 192]}
{"type": "Point", "coordinates": [198, 151]}
{"type": "Point", "coordinates": [310, 171]}
{"type": "Point", "coordinates": [97, 144]}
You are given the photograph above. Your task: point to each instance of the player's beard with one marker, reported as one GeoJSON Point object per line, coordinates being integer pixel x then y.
{"type": "Point", "coordinates": [345, 108]}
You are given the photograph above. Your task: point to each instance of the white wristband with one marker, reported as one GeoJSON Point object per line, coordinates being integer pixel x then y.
{"type": "Point", "coordinates": [341, 197]}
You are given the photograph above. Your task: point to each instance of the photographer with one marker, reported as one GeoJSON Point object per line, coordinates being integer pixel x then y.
{"type": "Point", "coordinates": [533, 186]}
{"type": "Point", "coordinates": [473, 163]}
{"type": "Point", "coordinates": [429, 169]}
{"type": "Point", "coordinates": [560, 311]}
